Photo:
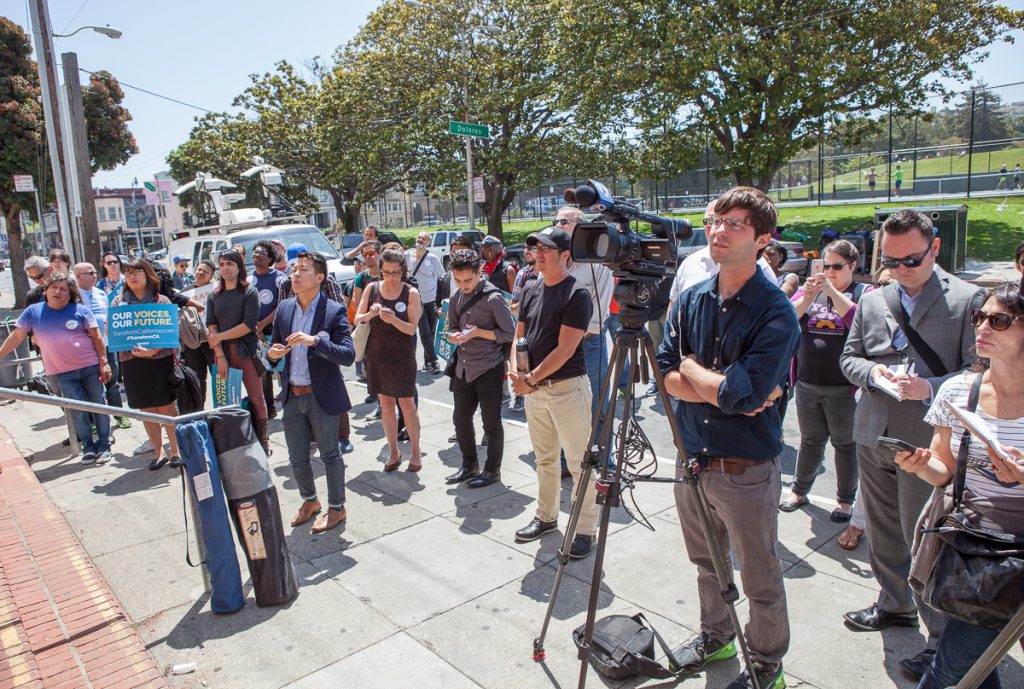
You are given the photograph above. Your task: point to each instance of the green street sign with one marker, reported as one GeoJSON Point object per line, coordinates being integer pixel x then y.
{"type": "Point", "coordinates": [149, 185]}
{"type": "Point", "coordinates": [480, 131]}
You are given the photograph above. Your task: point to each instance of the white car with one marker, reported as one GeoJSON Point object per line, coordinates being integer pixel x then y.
{"type": "Point", "coordinates": [441, 240]}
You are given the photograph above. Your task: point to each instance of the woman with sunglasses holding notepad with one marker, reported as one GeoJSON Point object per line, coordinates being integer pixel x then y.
{"type": "Point", "coordinates": [994, 494]}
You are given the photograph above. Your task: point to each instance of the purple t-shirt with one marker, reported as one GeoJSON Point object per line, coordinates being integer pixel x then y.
{"type": "Point", "coordinates": [62, 336]}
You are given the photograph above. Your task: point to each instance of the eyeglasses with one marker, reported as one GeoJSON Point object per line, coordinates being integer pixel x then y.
{"type": "Point", "coordinates": [87, 272]}
{"type": "Point", "coordinates": [730, 223]}
{"type": "Point", "coordinates": [255, 253]}
{"type": "Point", "coordinates": [835, 266]}
{"type": "Point", "coordinates": [367, 254]}
{"type": "Point", "coordinates": [541, 248]}
{"type": "Point", "coordinates": [996, 321]}
{"type": "Point", "coordinates": [110, 263]}
{"type": "Point", "coordinates": [708, 220]}
{"type": "Point", "coordinates": [909, 261]}
{"type": "Point", "coordinates": [562, 221]}
{"type": "Point", "coordinates": [392, 273]}
{"type": "Point", "coordinates": [37, 277]}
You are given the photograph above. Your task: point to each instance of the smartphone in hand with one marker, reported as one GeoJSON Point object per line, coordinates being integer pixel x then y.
{"type": "Point", "coordinates": [895, 444]}
{"type": "Point", "coordinates": [817, 266]}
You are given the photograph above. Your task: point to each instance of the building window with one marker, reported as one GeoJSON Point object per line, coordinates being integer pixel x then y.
{"type": "Point", "coordinates": [103, 213]}
{"type": "Point", "coordinates": [120, 214]}
{"type": "Point", "coordinates": [395, 207]}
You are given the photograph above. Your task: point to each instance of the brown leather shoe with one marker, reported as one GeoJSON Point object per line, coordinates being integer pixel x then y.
{"type": "Point", "coordinates": [330, 520]}
{"type": "Point", "coordinates": [306, 512]}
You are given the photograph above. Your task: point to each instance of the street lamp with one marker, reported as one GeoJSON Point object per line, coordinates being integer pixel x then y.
{"type": "Point", "coordinates": [108, 31]}
{"type": "Point", "coordinates": [466, 40]}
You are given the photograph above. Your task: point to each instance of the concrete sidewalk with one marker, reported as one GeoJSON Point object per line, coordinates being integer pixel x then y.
{"type": "Point", "coordinates": [424, 586]}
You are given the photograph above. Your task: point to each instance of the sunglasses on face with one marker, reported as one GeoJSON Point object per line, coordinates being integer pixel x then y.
{"type": "Point", "coordinates": [909, 261]}
{"type": "Point", "coordinates": [834, 266]}
{"type": "Point", "coordinates": [37, 277]}
{"type": "Point", "coordinates": [997, 321]}
{"type": "Point", "coordinates": [110, 263]}
{"type": "Point", "coordinates": [367, 254]}
{"type": "Point", "coordinates": [563, 221]}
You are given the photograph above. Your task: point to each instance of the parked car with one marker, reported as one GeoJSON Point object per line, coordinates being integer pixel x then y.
{"type": "Point", "coordinates": [351, 240]}
{"type": "Point", "coordinates": [442, 239]}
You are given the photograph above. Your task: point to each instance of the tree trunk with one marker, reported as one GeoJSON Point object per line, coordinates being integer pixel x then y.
{"type": "Point", "coordinates": [12, 214]}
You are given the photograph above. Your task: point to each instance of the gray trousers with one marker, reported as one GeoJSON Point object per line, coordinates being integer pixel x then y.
{"type": "Point", "coordinates": [894, 500]}
{"type": "Point", "coordinates": [825, 412]}
{"type": "Point", "coordinates": [745, 515]}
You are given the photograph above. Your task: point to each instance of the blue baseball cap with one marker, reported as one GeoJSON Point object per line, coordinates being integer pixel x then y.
{"type": "Point", "coordinates": [294, 250]}
{"type": "Point", "coordinates": [179, 259]}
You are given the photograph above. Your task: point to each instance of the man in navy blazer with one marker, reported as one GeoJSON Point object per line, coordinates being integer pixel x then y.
{"type": "Point", "coordinates": [311, 333]}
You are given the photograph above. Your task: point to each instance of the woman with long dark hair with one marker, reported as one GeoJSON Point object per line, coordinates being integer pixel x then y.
{"type": "Point", "coordinates": [113, 279]}
{"type": "Point", "coordinates": [231, 315]}
{"type": "Point", "coordinates": [394, 309]}
{"type": "Point", "coordinates": [146, 372]}
{"type": "Point", "coordinates": [994, 492]}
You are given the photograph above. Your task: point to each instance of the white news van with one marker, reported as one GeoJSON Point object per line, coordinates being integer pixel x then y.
{"type": "Point", "coordinates": [208, 242]}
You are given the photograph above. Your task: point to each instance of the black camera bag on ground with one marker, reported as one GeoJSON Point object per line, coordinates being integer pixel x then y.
{"type": "Point", "coordinates": [623, 647]}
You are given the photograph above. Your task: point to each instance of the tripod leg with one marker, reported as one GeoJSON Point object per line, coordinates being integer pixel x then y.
{"type": "Point", "coordinates": [596, 431]}
{"type": "Point", "coordinates": [610, 500]}
{"type": "Point", "coordinates": [999, 647]}
{"type": "Point", "coordinates": [724, 575]}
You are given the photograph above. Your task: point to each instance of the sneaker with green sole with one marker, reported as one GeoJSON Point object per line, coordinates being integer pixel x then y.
{"type": "Point", "coordinates": [124, 423]}
{"type": "Point", "coordinates": [701, 650]}
{"type": "Point", "coordinates": [768, 677]}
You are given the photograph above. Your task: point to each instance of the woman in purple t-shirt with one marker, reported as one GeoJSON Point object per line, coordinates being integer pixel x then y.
{"type": "Point", "coordinates": [72, 349]}
{"type": "Point", "coordinates": [824, 398]}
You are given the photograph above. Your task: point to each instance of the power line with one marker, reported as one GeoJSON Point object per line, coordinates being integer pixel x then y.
{"type": "Point", "coordinates": [65, 29]}
{"type": "Point", "coordinates": [153, 93]}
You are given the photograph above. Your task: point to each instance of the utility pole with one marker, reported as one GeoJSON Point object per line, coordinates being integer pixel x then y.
{"type": "Point", "coordinates": [90, 236]}
{"type": "Point", "coordinates": [41, 32]}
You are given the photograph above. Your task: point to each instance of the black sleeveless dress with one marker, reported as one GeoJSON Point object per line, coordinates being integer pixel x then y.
{"type": "Point", "coordinates": [390, 361]}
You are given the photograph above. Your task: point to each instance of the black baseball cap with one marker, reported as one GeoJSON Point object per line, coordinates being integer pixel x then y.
{"type": "Point", "coordinates": [553, 237]}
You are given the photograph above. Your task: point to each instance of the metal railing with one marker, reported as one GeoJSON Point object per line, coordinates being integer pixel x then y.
{"type": "Point", "coordinates": [67, 404]}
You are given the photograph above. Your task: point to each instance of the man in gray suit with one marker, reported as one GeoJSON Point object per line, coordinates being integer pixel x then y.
{"type": "Point", "coordinates": [912, 362]}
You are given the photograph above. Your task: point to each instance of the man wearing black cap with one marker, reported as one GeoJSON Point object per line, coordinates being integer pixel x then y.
{"type": "Point", "coordinates": [553, 316]}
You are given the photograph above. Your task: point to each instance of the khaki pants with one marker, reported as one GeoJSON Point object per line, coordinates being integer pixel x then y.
{"type": "Point", "coordinates": [558, 416]}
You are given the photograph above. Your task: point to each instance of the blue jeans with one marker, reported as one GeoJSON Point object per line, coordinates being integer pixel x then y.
{"type": "Point", "coordinates": [595, 354]}
{"type": "Point", "coordinates": [84, 384]}
{"type": "Point", "coordinates": [960, 645]}
{"type": "Point", "coordinates": [613, 326]}
{"type": "Point", "coordinates": [303, 419]}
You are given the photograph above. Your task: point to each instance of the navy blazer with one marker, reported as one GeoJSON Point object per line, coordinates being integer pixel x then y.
{"type": "Point", "coordinates": [333, 350]}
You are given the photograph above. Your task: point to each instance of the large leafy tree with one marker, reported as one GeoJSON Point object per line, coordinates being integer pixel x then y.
{"type": "Point", "coordinates": [499, 53]}
{"type": "Point", "coordinates": [765, 79]}
{"type": "Point", "coordinates": [23, 140]}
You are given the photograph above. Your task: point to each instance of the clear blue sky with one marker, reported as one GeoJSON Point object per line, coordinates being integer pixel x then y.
{"type": "Point", "coordinates": [203, 52]}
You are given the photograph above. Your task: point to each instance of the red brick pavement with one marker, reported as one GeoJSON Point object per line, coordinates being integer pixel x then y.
{"type": "Point", "coordinates": [60, 625]}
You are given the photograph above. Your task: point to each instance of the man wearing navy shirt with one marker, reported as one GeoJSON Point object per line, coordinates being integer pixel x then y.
{"type": "Point", "coordinates": [268, 283]}
{"type": "Point", "coordinates": [726, 353]}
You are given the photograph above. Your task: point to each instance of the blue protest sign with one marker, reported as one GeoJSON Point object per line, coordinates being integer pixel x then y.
{"type": "Point", "coordinates": [153, 326]}
{"type": "Point", "coordinates": [442, 345]}
{"type": "Point", "coordinates": [226, 391]}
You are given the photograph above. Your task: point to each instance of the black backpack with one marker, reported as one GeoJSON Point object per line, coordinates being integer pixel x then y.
{"type": "Point", "coordinates": [623, 647]}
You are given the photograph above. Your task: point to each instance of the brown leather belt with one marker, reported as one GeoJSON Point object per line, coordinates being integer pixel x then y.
{"type": "Point", "coordinates": [587, 336]}
{"type": "Point", "coordinates": [299, 390]}
{"type": "Point", "coordinates": [730, 465]}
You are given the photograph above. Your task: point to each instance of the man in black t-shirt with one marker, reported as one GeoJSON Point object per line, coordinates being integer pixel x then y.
{"type": "Point", "coordinates": [553, 316]}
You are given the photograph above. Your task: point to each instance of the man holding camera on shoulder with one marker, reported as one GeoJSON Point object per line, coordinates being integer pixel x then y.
{"type": "Point", "coordinates": [553, 316]}
{"type": "Point", "coordinates": [726, 353]}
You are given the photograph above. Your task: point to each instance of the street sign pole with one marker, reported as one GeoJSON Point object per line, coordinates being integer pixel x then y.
{"type": "Point", "coordinates": [470, 131]}
{"type": "Point", "coordinates": [470, 203]}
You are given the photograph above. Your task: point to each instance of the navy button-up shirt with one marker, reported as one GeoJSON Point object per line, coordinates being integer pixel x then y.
{"type": "Point", "coordinates": [750, 338]}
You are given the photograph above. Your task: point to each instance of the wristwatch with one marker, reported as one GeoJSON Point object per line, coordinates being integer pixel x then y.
{"type": "Point", "coordinates": [526, 379]}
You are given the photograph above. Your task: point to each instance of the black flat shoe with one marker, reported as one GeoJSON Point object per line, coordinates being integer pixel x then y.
{"type": "Point", "coordinates": [463, 474]}
{"type": "Point", "coordinates": [874, 619]}
{"type": "Point", "coordinates": [157, 463]}
{"type": "Point", "coordinates": [534, 530]}
{"type": "Point", "coordinates": [485, 478]}
{"type": "Point", "coordinates": [175, 462]}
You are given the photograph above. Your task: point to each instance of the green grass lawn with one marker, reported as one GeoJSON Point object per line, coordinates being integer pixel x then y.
{"type": "Point", "coordinates": [992, 234]}
{"type": "Point", "coordinates": [930, 167]}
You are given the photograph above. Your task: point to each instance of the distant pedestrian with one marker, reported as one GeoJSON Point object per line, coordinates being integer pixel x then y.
{"type": "Point", "coordinates": [1002, 177]}
{"type": "Point", "coordinates": [872, 177]}
{"type": "Point", "coordinates": [38, 271]}
{"type": "Point", "coordinates": [1016, 178]}
{"type": "Point", "coordinates": [426, 269]}
{"type": "Point", "coordinates": [267, 282]}
{"type": "Point", "coordinates": [898, 177]}
{"type": "Point", "coordinates": [112, 280]}
{"type": "Point", "coordinates": [60, 261]}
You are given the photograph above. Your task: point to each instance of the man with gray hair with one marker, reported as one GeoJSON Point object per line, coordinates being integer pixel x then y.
{"type": "Point", "coordinates": [37, 269]}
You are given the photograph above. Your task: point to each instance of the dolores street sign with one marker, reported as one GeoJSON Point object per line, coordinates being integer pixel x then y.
{"type": "Point", "coordinates": [479, 131]}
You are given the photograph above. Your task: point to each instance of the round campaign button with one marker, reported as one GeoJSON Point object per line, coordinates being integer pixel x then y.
{"type": "Point", "coordinates": [400, 307]}
{"type": "Point", "coordinates": [266, 296]}
{"type": "Point", "coordinates": [71, 325]}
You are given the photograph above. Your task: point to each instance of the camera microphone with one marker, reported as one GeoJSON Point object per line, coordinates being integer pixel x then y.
{"type": "Point", "coordinates": [583, 196]}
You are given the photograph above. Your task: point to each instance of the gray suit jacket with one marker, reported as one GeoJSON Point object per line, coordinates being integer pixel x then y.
{"type": "Point", "coordinates": [941, 316]}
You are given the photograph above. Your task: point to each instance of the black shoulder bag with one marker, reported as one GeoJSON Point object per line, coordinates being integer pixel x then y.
{"type": "Point", "coordinates": [623, 647]}
{"type": "Point", "coordinates": [453, 317]}
{"type": "Point", "coordinates": [892, 300]}
{"type": "Point", "coordinates": [978, 575]}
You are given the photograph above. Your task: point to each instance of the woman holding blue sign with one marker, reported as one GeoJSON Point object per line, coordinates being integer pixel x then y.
{"type": "Point", "coordinates": [146, 372]}
{"type": "Point", "coordinates": [232, 312]}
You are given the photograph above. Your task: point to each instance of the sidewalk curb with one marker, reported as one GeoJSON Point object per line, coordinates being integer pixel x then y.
{"type": "Point", "coordinates": [60, 624]}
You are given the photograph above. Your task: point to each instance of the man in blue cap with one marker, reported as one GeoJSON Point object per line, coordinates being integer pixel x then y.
{"type": "Point", "coordinates": [183, 279]}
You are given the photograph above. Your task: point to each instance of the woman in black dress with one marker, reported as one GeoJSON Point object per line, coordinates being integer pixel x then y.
{"type": "Point", "coordinates": [146, 372]}
{"type": "Point", "coordinates": [393, 308]}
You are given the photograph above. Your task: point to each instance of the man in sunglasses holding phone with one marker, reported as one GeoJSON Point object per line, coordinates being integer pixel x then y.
{"type": "Point", "coordinates": [909, 336]}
